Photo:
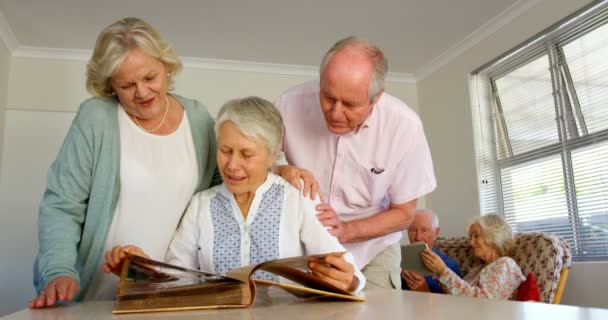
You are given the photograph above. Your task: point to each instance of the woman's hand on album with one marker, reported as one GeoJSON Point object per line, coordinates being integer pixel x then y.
{"type": "Point", "coordinates": [116, 256]}
{"type": "Point", "coordinates": [336, 271]}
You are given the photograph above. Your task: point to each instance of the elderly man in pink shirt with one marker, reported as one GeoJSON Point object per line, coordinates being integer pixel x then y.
{"type": "Point", "coordinates": [367, 150]}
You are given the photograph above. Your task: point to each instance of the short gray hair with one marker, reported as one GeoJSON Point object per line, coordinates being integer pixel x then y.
{"type": "Point", "coordinates": [376, 56]}
{"type": "Point", "coordinates": [256, 118]}
{"type": "Point", "coordinates": [115, 42]}
{"type": "Point", "coordinates": [434, 217]}
{"type": "Point", "coordinates": [496, 232]}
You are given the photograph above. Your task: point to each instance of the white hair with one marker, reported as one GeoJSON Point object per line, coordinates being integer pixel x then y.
{"type": "Point", "coordinates": [256, 118]}
{"type": "Point", "coordinates": [496, 232]}
{"type": "Point", "coordinates": [376, 56]}
{"type": "Point", "coordinates": [434, 217]}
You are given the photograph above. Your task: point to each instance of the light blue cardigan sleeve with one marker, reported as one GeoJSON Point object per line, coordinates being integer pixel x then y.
{"type": "Point", "coordinates": [202, 126]}
{"type": "Point", "coordinates": [66, 238]}
{"type": "Point", "coordinates": [63, 206]}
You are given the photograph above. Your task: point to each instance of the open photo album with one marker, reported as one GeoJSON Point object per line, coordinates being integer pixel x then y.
{"type": "Point", "coordinates": [148, 285]}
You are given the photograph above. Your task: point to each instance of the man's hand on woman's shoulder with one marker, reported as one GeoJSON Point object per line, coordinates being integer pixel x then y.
{"type": "Point", "coordinates": [302, 179]}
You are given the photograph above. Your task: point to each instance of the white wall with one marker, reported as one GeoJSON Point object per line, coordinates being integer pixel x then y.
{"type": "Point", "coordinates": [43, 95]}
{"type": "Point", "coordinates": [446, 112]}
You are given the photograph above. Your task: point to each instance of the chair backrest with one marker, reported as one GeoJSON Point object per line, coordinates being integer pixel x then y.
{"type": "Point", "coordinates": [542, 254]}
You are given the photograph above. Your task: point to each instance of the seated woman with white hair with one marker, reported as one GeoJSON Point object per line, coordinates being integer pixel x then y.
{"type": "Point", "coordinates": [254, 216]}
{"type": "Point", "coordinates": [498, 277]}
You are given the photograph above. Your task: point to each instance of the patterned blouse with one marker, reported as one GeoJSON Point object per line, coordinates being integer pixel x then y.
{"type": "Point", "coordinates": [498, 280]}
{"type": "Point", "coordinates": [215, 237]}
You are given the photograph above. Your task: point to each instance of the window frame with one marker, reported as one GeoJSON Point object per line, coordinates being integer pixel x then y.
{"type": "Point", "coordinates": [567, 110]}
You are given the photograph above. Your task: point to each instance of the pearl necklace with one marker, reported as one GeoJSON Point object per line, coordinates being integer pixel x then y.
{"type": "Point", "coordinates": [162, 120]}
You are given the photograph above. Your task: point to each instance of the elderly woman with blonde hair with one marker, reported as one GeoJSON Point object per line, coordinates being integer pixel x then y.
{"type": "Point", "coordinates": [133, 157]}
{"type": "Point", "coordinates": [498, 277]}
{"type": "Point", "coordinates": [254, 216]}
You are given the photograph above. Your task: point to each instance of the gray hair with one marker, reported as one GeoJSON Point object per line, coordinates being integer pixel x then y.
{"type": "Point", "coordinates": [376, 56]}
{"type": "Point", "coordinates": [496, 232]}
{"type": "Point", "coordinates": [434, 217]}
{"type": "Point", "coordinates": [256, 118]}
{"type": "Point", "coordinates": [114, 43]}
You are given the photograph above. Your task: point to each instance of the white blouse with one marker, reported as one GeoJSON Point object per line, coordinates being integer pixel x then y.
{"type": "Point", "coordinates": [214, 236]}
{"type": "Point", "coordinates": [158, 175]}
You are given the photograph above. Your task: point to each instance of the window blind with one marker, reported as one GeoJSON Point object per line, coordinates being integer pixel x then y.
{"type": "Point", "coordinates": [540, 120]}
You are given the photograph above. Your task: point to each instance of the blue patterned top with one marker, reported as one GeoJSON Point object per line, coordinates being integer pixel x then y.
{"type": "Point", "coordinates": [262, 234]}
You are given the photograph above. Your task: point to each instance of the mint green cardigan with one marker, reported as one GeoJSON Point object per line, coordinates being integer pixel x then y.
{"type": "Point", "coordinates": [83, 186]}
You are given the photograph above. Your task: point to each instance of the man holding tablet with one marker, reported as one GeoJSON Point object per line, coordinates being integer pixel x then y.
{"type": "Point", "coordinates": [425, 228]}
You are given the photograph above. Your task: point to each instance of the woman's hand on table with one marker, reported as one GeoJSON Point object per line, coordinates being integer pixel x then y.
{"type": "Point", "coordinates": [62, 288]}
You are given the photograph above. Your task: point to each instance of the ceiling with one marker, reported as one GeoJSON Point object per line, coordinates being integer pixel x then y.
{"type": "Point", "coordinates": [413, 34]}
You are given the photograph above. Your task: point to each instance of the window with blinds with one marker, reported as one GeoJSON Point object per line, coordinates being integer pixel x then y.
{"type": "Point", "coordinates": [540, 115]}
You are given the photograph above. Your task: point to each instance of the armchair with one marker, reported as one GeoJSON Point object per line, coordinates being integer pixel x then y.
{"type": "Point", "coordinates": [547, 256]}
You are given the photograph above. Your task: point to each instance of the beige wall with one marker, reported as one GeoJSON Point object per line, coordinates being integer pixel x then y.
{"type": "Point", "coordinates": [58, 85]}
{"type": "Point", "coordinates": [445, 109]}
{"type": "Point", "coordinates": [4, 71]}
{"type": "Point", "coordinates": [46, 84]}
{"type": "Point", "coordinates": [213, 88]}
{"type": "Point", "coordinates": [42, 97]}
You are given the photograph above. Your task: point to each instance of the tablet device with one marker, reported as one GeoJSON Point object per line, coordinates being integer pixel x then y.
{"type": "Point", "coordinates": [411, 260]}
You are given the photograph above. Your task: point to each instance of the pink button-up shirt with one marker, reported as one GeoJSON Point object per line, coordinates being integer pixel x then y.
{"type": "Point", "coordinates": [387, 160]}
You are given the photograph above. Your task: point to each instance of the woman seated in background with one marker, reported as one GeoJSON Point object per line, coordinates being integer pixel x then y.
{"type": "Point", "coordinates": [498, 277]}
{"type": "Point", "coordinates": [254, 216]}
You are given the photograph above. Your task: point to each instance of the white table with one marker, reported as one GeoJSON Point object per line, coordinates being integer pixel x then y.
{"type": "Point", "coordinates": [381, 304]}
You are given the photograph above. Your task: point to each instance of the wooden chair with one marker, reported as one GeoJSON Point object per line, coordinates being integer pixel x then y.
{"type": "Point", "coordinates": [547, 256]}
